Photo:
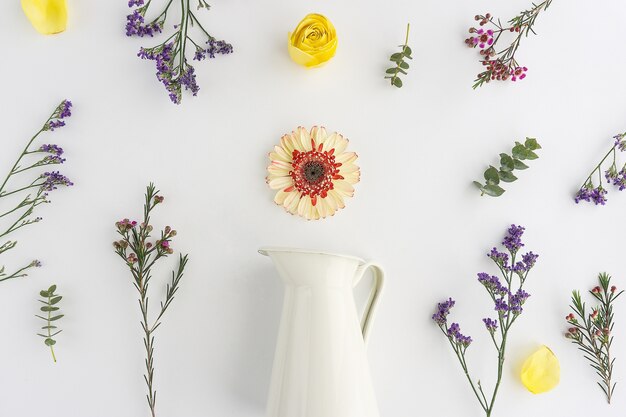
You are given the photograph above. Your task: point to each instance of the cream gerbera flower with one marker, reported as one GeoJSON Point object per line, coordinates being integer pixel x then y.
{"type": "Point", "coordinates": [312, 172]}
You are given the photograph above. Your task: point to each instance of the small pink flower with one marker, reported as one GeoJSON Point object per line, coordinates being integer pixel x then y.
{"type": "Point", "coordinates": [518, 73]}
{"type": "Point", "coordinates": [165, 244]}
{"type": "Point", "coordinates": [484, 38]}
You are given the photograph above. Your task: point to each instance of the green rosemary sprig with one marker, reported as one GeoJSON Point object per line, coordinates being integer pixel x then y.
{"type": "Point", "coordinates": [50, 307]}
{"type": "Point", "coordinates": [508, 163]}
{"type": "Point", "coordinates": [593, 332]}
{"type": "Point", "coordinates": [140, 253]}
{"type": "Point", "coordinates": [393, 73]}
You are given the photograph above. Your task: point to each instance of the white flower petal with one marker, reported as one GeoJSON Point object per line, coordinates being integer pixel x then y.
{"type": "Point", "coordinates": [303, 138]}
{"type": "Point", "coordinates": [304, 206]}
{"type": "Point", "coordinates": [280, 183]}
{"type": "Point", "coordinates": [340, 144]}
{"type": "Point", "coordinates": [344, 188]}
{"type": "Point", "coordinates": [338, 199]}
{"type": "Point", "coordinates": [346, 157]}
{"type": "Point", "coordinates": [318, 134]}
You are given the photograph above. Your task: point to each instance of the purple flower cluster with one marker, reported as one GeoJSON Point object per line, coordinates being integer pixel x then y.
{"type": "Point", "coordinates": [135, 25]}
{"type": "Point", "coordinates": [164, 59]}
{"type": "Point", "coordinates": [188, 80]}
{"type": "Point", "coordinates": [214, 48]}
{"type": "Point", "coordinates": [443, 309]}
{"type": "Point", "coordinates": [529, 260]}
{"type": "Point", "coordinates": [53, 179]}
{"type": "Point", "coordinates": [493, 284]}
{"type": "Point", "coordinates": [588, 193]}
{"type": "Point", "coordinates": [500, 258]}
{"type": "Point", "coordinates": [513, 240]}
{"type": "Point", "coordinates": [132, 3]}
{"type": "Point", "coordinates": [620, 142]}
{"type": "Point", "coordinates": [513, 303]}
{"type": "Point", "coordinates": [454, 332]}
{"type": "Point", "coordinates": [63, 111]}
{"type": "Point", "coordinates": [617, 178]}
{"type": "Point", "coordinates": [491, 325]}
{"type": "Point", "coordinates": [53, 149]}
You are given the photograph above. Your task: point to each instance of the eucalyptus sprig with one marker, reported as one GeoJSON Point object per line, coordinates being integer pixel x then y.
{"type": "Point", "coordinates": [393, 73]}
{"type": "Point", "coordinates": [170, 56]}
{"type": "Point", "coordinates": [140, 252]}
{"type": "Point", "coordinates": [508, 163]}
{"type": "Point", "coordinates": [592, 331]}
{"type": "Point", "coordinates": [50, 308]}
{"type": "Point", "coordinates": [24, 195]}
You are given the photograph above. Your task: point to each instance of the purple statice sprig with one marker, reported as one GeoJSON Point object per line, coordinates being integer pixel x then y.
{"type": "Point", "coordinates": [139, 252]}
{"type": "Point", "coordinates": [174, 70]}
{"type": "Point", "coordinates": [592, 193]}
{"type": "Point", "coordinates": [508, 297]}
{"type": "Point", "coordinates": [33, 194]}
{"type": "Point", "coordinates": [502, 65]}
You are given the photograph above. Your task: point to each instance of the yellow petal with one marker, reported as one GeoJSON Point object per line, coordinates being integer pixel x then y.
{"type": "Point", "coordinates": [541, 371]}
{"type": "Point", "coordinates": [313, 42]}
{"type": "Point", "coordinates": [46, 16]}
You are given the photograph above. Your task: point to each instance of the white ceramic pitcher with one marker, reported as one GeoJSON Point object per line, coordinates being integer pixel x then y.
{"type": "Point", "coordinates": [320, 365]}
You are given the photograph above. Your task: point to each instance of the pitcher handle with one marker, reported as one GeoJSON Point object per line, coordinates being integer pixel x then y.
{"type": "Point", "coordinates": [372, 302]}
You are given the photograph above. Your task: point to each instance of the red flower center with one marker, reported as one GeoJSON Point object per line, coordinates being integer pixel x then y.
{"type": "Point", "coordinates": [313, 172]}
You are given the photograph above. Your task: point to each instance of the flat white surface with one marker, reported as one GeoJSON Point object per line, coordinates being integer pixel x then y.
{"type": "Point", "coordinates": [415, 210]}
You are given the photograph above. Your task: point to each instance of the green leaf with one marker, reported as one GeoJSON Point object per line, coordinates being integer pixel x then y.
{"type": "Point", "coordinates": [52, 289]}
{"type": "Point", "coordinates": [492, 176]}
{"type": "Point", "coordinates": [55, 300]}
{"type": "Point", "coordinates": [493, 190]}
{"type": "Point", "coordinates": [531, 155]}
{"type": "Point", "coordinates": [50, 342]}
{"type": "Point", "coordinates": [407, 51]}
{"type": "Point", "coordinates": [519, 151]}
{"type": "Point", "coordinates": [56, 317]}
{"type": "Point", "coordinates": [477, 184]}
{"type": "Point", "coordinates": [392, 71]}
{"type": "Point", "coordinates": [404, 65]}
{"type": "Point", "coordinates": [396, 57]}
{"type": "Point", "coordinates": [49, 308]}
{"type": "Point", "coordinates": [506, 162]}
{"type": "Point", "coordinates": [397, 82]}
{"type": "Point", "coordinates": [507, 176]}
{"type": "Point", "coordinates": [44, 294]}
{"type": "Point", "coordinates": [519, 164]}
{"type": "Point", "coordinates": [531, 144]}
{"type": "Point", "coordinates": [48, 327]}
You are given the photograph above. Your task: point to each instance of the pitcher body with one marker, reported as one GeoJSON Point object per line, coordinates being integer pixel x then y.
{"type": "Point", "coordinates": [320, 365]}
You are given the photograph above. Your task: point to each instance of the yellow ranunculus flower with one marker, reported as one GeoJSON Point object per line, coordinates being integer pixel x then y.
{"type": "Point", "coordinates": [541, 372]}
{"type": "Point", "coordinates": [313, 42]}
{"type": "Point", "coordinates": [46, 16]}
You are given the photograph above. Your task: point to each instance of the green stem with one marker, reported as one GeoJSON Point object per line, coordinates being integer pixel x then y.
{"type": "Point", "coordinates": [15, 166]}
{"type": "Point", "coordinates": [49, 332]}
{"type": "Point", "coordinates": [597, 168]}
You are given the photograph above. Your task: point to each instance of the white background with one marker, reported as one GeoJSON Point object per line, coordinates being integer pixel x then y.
{"type": "Point", "coordinates": [415, 210]}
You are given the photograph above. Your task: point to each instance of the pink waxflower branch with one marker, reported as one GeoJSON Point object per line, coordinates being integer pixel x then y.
{"type": "Point", "coordinates": [140, 252]}
{"type": "Point", "coordinates": [501, 65]}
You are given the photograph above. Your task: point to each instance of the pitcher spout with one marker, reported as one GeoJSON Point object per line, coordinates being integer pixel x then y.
{"type": "Point", "coordinates": [313, 268]}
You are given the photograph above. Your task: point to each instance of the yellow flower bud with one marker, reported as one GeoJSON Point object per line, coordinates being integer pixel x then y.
{"type": "Point", "coordinates": [313, 42]}
{"type": "Point", "coordinates": [541, 371]}
{"type": "Point", "coordinates": [46, 16]}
